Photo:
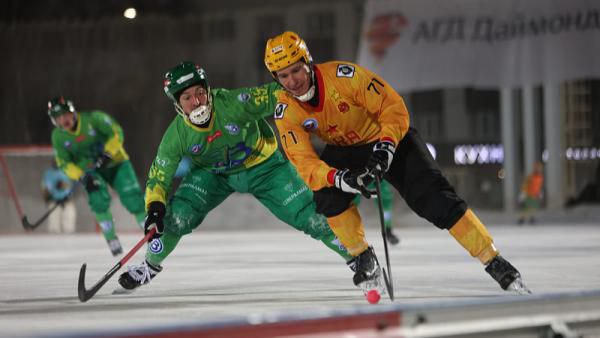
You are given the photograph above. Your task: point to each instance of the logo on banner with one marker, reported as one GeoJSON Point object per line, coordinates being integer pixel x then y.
{"type": "Point", "coordinates": [384, 30]}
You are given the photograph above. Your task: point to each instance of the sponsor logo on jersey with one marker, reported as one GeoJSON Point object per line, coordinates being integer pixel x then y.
{"type": "Point", "coordinates": [156, 246]}
{"type": "Point", "coordinates": [279, 109]}
{"type": "Point", "coordinates": [343, 107]}
{"type": "Point", "coordinates": [105, 225]}
{"type": "Point", "coordinates": [196, 148]}
{"type": "Point", "coordinates": [295, 194]}
{"type": "Point", "coordinates": [161, 162]}
{"type": "Point", "coordinates": [232, 128]}
{"type": "Point", "coordinates": [345, 71]}
{"type": "Point", "coordinates": [288, 187]}
{"type": "Point", "coordinates": [310, 124]}
{"type": "Point", "coordinates": [80, 138]}
{"type": "Point", "coordinates": [67, 144]}
{"type": "Point", "coordinates": [213, 137]}
{"type": "Point", "coordinates": [243, 97]}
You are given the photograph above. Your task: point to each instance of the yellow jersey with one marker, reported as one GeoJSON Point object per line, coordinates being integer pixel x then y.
{"type": "Point", "coordinates": [355, 107]}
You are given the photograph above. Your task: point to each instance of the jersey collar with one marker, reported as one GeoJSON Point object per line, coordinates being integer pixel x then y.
{"type": "Point", "coordinates": [196, 128]}
{"type": "Point", "coordinates": [320, 91]}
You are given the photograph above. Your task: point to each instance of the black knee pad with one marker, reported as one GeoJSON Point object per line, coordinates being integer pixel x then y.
{"type": "Point", "coordinates": [332, 201]}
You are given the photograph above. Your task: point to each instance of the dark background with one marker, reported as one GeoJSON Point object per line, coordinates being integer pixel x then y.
{"type": "Point", "coordinates": [87, 51]}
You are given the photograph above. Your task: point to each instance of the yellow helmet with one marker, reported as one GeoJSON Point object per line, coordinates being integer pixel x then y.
{"type": "Point", "coordinates": [284, 50]}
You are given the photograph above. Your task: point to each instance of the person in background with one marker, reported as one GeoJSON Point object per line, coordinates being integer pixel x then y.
{"type": "Point", "coordinates": [365, 125]}
{"type": "Point", "coordinates": [89, 148]}
{"type": "Point", "coordinates": [531, 194]}
{"type": "Point", "coordinates": [57, 188]}
{"type": "Point", "coordinates": [387, 201]}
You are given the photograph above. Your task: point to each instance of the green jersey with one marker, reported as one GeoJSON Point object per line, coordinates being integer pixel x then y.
{"type": "Point", "coordinates": [77, 151]}
{"type": "Point", "coordinates": [238, 137]}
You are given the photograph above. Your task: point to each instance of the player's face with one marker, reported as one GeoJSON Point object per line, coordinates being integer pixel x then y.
{"type": "Point", "coordinates": [295, 78]}
{"type": "Point", "coordinates": [192, 98]}
{"type": "Point", "coordinates": [66, 120]}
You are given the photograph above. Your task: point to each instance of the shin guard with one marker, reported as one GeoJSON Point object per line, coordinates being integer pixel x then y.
{"type": "Point", "coordinates": [474, 237]}
{"type": "Point", "coordinates": [350, 231]}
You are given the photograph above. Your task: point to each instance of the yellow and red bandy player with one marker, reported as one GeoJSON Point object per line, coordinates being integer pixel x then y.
{"type": "Point", "coordinates": [365, 125]}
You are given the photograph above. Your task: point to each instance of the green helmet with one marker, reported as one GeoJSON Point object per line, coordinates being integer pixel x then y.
{"type": "Point", "coordinates": [58, 106]}
{"type": "Point", "coordinates": [181, 77]}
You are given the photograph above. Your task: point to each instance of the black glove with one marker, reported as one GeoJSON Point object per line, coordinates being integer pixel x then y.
{"type": "Point", "coordinates": [102, 160]}
{"type": "Point", "coordinates": [154, 218]}
{"type": "Point", "coordinates": [354, 181]}
{"type": "Point", "coordinates": [90, 183]}
{"type": "Point", "coordinates": [381, 158]}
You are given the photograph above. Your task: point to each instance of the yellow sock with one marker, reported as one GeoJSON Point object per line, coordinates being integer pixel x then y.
{"type": "Point", "coordinates": [474, 237]}
{"type": "Point", "coordinates": [349, 229]}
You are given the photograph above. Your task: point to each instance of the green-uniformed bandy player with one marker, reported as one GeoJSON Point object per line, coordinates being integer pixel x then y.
{"type": "Point", "coordinates": [232, 149]}
{"type": "Point", "coordinates": [89, 148]}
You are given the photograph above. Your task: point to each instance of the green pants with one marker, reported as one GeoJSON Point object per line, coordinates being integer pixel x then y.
{"type": "Point", "coordinates": [387, 200]}
{"type": "Point", "coordinates": [275, 183]}
{"type": "Point", "coordinates": [123, 180]}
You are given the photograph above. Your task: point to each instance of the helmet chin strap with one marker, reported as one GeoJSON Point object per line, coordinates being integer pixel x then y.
{"type": "Point", "coordinates": [308, 95]}
{"type": "Point", "coordinates": [311, 91]}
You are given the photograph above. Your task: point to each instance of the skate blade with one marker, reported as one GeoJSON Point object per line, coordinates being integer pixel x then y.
{"type": "Point", "coordinates": [122, 291]}
{"type": "Point", "coordinates": [370, 285]}
{"type": "Point", "coordinates": [518, 287]}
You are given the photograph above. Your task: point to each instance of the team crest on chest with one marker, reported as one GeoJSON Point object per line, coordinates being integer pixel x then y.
{"type": "Point", "coordinates": [232, 128]}
{"type": "Point", "coordinates": [279, 109]}
{"type": "Point", "coordinates": [67, 144]}
{"type": "Point", "coordinates": [243, 97]}
{"type": "Point", "coordinates": [196, 148]}
{"type": "Point", "coordinates": [345, 71]}
{"type": "Point", "coordinates": [310, 124]}
{"type": "Point", "coordinates": [343, 107]}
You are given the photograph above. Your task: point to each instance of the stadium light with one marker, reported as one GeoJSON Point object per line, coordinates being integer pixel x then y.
{"type": "Point", "coordinates": [130, 13]}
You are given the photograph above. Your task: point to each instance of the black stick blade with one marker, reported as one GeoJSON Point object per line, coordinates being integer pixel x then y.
{"type": "Point", "coordinates": [83, 294]}
{"type": "Point", "coordinates": [26, 223]}
{"type": "Point", "coordinates": [388, 285]}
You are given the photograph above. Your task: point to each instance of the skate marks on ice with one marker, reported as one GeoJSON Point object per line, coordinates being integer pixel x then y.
{"type": "Point", "coordinates": [217, 275]}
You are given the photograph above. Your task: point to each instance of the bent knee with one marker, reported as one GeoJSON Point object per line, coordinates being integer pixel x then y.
{"type": "Point", "coordinates": [332, 202]}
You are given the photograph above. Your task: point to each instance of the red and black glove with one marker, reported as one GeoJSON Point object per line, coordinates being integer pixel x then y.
{"type": "Point", "coordinates": [353, 181]}
{"type": "Point", "coordinates": [381, 158]}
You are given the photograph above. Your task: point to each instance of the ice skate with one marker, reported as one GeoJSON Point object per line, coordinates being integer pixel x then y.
{"type": "Point", "coordinates": [391, 237]}
{"type": "Point", "coordinates": [507, 276]}
{"type": "Point", "coordinates": [115, 246]}
{"type": "Point", "coordinates": [367, 273]}
{"type": "Point", "coordinates": [137, 276]}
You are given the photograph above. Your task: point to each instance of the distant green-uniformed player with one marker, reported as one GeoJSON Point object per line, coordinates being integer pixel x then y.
{"type": "Point", "coordinates": [89, 148]}
{"type": "Point", "coordinates": [232, 149]}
